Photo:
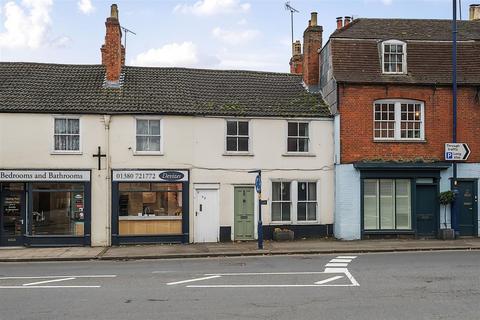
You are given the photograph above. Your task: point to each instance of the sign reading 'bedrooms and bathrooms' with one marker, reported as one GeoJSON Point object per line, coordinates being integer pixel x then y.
{"type": "Point", "coordinates": [44, 175]}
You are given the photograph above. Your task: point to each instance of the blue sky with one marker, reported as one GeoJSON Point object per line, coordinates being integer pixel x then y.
{"type": "Point", "coordinates": [221, 34]}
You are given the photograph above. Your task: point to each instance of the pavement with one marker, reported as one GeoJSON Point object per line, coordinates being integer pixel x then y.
{"type": "Point", "coordinates": [170, 251]}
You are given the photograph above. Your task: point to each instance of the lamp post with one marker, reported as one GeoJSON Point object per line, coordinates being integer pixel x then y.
{"type": "Point", "coordinates": [258, 188]}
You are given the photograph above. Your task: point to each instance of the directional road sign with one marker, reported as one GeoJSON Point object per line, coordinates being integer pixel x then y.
{"type": "Point", "coordinates": [456, 151]}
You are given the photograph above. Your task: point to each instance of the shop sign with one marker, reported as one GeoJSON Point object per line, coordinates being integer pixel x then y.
{"type": "Point", "coordinates": [149, 175]}
{"type": "Point", "coordinates": [44, 175]}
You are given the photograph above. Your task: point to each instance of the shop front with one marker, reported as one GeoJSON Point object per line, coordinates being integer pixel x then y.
{"type": "Point", "coordinates": [400, 199]}
{"type": "Point", "coordinates": [150, 206]}
{"type": "Point", "coordinates": [44, 207]}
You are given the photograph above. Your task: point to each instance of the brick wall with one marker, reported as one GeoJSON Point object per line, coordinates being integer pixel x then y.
{"type": "Point", "coordinates": [356, 129]}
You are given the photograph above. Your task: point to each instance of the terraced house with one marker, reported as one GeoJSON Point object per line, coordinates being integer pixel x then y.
{"type": "Point", "coordinates": [110, 154]}
{"type": "Point", "coordinates": [388, 83]}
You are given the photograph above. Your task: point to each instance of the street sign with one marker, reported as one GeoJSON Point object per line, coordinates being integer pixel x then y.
{"type": "Point", "coordinates": [456, 151]}
{"type": "Point", "coordinates": [258, 184]}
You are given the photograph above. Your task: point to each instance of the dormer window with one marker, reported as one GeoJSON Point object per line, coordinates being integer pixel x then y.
{"type": "Point", "coordinates": [394, 57]}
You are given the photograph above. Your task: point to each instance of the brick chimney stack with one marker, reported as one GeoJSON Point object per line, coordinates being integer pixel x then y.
{"type": "Point", "coordinates": [475, 12]}
{"type": "Point", "coordinates": [312, 43]}
{"type": "Point", "coordinates": [296, 62]}
{"type": "Point", "coordinates": [339, 23]}
{"type": "Point", "coordinates": [113, 52]}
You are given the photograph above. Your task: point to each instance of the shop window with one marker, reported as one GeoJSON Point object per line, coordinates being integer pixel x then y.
{"type": "Point", "coordinates": [298, 137]}
{"type": "Point", "coordinates": [58, 209]}
{"type": "Point", "coordinates": [150, 208]}
{"type": "Point", "coordinates": [237, 139]}
{"type": "Point", "coordinates": [281, 202]}
{"type": "Point", "coordinates": [307, 201]}
{"type": "Point", "coordinates": [67, 135]}
{"type": "Point", "coordinates": [148, 138]}
{"type": "Point", "coordinates": [387, 204]}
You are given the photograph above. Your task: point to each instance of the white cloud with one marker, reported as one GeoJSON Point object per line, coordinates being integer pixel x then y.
{"type": "Point", "coordinates": [170, 55]}
{"type": "Point", "coordinates": [25, 24]}
{"type": "Point", "coordinates": [86, 6]}
{"type": "Point", "coordinates": [235, 37]}
{"type": "Point", "coordinates": [61, 42]}
{"type": "Point", "coordinates": [213, 7]}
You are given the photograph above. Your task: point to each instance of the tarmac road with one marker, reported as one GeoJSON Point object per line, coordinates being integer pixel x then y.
{"type": "Point", "coordinates": [415, 285]}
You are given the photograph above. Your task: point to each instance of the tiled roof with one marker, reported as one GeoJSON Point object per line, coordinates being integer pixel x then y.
{"type": "Point", "coordinates": [408, 29]}
{"type": "Point", "coordinates": [48, 88]}
{"type": "Point", "coordinates": [356, 52]}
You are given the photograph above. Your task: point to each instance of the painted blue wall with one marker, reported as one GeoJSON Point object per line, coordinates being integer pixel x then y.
{"type": "Point", "coordinates": [347, 202]}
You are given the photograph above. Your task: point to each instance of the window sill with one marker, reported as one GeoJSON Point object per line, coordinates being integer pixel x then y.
{"type": "Point", "coordinates": [400, 141]}
{"type": "Point", "coordinates": [147, 153]}
{"type": "Point", "coordinates": [299, 154]}
{"type": "Point", "coordinates": [66, 152]}
{"type": "Point", "coordinates": [237, 154]}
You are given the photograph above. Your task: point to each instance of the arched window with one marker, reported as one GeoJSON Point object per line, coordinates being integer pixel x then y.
{"type": "Point", "coordinates": [398, 120]}
{"type": "Point", "coordinates": [394, 57]}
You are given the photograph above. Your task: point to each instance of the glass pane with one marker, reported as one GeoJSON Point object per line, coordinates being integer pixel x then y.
{"type": "Point", "coordinates": [403, 203]}
{"type": "Point", "coordinates": [242, 144]}
{"type": "Point", "coordinates": [312, 191]}
{"type": "Point", "coordinates": [60, 126]}
{"type": "Point", "coordinates": [276, 211]}
{"type": "Point", "coordinates": [243, 128]}
{"type": "Point", "coordinates": [387, 219]}
{"type": "Point", "coordinates": [58, 213]}
{"type": "Point", "coordinates": [57, 186]}
{"type": "Point", "coordinates": [303, 129]}
{"type": "Point", "coordinates": [142, 126]}
{"type": "Point", "coordinates": [74, 143]}
{"type": "Point", "coordinates": [231, 128]}
{"type": "Point", "coordinates": [60, 143]}
{"type": "Point", "coordinates": [302, 191]}
{"type": "Point", "coordinates": [292, 145]}
{"type": "Point", "coordinates": [154, 144]}
{"type": "Point", "coordinates": [286, 191]}
{"type": "Point", "coordinates": [312, 211]}
{"type": "Point", "coordinates": [142, 143]}
{"type": "Point", "coordinates": [302, 211]}
{"type": "Point", "coordinates": [303, 144]}
{"type": "Point", "coordinates": [231, 144]}
{"type": "Point", "coordinates": [276, 191]}
{"type": "Point", "coordinates": [73, 126]}
{"type": "Point", "coordinates": [154, 127]}
{"type": "Point", "coordinates": [292, 129]}
{"type": "Point", "coordinates": [286, 211]}
{"type": "Point", "coordinates": [370, 218]}
{"type": "Point", "coordinates": [13, 206]}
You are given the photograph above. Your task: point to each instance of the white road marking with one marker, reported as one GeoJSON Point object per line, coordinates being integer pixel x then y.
{"type": "Point", "coordinates": [64, 276]}
{"type": "Point", "coordinates": [341, 260]}
{"type": "Point", "coordinates": [346, 257]}
{"type": "Point", "coordinates": [346, 272]}
{"type": "Point", "coordinates": [268, 285]}
{"type": "Point", "coordinates": [47, 281]}
{"type": "Point", "coordinates": [192, 280]}
{"type": "Point", "coordinates": [263, 273]}
{"type": "Point", "coordinates": [336, 265]}
{"type": "Point", "coordinates": [46, 287]}
{"type": "Point", "coordinates": [329, 280]}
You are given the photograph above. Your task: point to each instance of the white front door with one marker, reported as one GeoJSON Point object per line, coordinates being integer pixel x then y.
{"type": "Point", "coordinates": [207, 219]}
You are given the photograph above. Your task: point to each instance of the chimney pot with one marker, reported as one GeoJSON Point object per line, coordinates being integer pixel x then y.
{"type": "Point", "coordinates": [474, 12]}
{"type": "Point", "coordinates": [348, 20]}
{"type": "Point", "coordinates": [114, 11]}
{"type": "Point", "coordinates": [339, 23]}
{"type": "Point", "coordinates": [313, 19]}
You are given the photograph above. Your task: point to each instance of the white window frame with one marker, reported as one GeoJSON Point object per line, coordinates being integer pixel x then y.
{"type": "Point", "coordinates": [67, 117]}
{"type": "Point", "coordinates": [229, 152]}
{"type": "Point", "coordinates": [308, 138]}
{"type": "Point", "coordinates": [137, 152]}
{"type": "Point", "coordinates": [404, 56]}
{"type": "Point", "coordinates": [294, 202]}
{"type": "Point", "coordinates": [398, 119]}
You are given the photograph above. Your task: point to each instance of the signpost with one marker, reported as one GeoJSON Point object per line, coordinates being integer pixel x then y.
{"type": "Point", "coordinates": [258, 188]}
{"type": "Point", "coordinates": [456, 151]}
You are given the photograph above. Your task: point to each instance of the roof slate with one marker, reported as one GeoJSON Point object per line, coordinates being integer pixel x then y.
{"type": "Point", "coordinates": [356, 51]}
{"type": "Point", "coordinates": [51, 88]}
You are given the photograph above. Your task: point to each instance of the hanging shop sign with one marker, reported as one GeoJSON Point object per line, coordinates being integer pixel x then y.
{"type": "Point", "coordinates": [44, 175]}
{"type": "Point", "coordinates": [150, 175]}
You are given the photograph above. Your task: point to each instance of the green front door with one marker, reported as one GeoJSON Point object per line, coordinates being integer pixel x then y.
{"type": "Point", "coordinates": [244, 217]}
{"type": "Point", "coordinates": [426, 210]}
{"type": "Point", "coordinates": [466, 200]}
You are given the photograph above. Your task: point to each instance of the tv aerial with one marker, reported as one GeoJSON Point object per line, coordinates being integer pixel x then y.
{"type": "Point", "coordinates": [292, 11]}
{"type": "Point", "coordinates": [127, 31]}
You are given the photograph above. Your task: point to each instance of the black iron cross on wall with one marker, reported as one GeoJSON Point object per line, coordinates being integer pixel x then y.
{"type": "Point", "coordinates": [99, 155]}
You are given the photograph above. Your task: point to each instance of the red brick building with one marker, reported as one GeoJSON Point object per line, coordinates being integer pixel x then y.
{"type": "Point", "coordinates": [389, 84]}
